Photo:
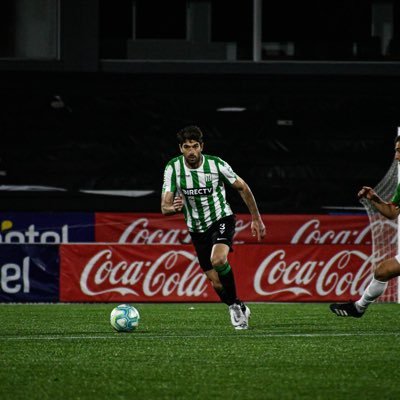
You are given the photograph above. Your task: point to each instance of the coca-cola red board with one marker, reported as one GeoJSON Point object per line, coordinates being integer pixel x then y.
{"type": "Point", "coordinates": [160, 273]}
{"type": "Point", "coordinates": [152, 228]}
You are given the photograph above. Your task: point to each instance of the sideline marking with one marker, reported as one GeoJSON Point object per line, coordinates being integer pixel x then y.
{"type": "Point", "coordinates": [150, 337]}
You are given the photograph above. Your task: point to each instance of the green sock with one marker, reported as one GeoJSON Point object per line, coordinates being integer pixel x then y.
{"type": "Point", "coordinates": [227, 279]}
{"type": "Point", "coordinates": [222, 295]}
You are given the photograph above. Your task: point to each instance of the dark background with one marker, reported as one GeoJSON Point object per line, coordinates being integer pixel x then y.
{"type": "Point", "coordinates": [317, 124]}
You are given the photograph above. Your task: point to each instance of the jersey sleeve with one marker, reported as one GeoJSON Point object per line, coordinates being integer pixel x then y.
{"type": "Point", "coordinates": [396, 197]}
{"type": "Point", "coordinates": [227, 173]}
{"type": "Point", "coordinates": [169, 182]}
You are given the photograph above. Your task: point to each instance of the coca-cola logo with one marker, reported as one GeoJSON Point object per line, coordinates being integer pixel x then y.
{"type": "Point", "coordinates": [311, 233]}
{"type": "Point", "coordinates": [314, 277]}
{"type": "Point", "coordinates": [140, 231]}
{"type": "Point", "coordinates": [103, 274]}
{"type": "Point", "coordinates": [146, 229]}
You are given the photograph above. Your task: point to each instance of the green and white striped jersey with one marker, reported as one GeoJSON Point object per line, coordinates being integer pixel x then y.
{"type": "Point", "coordinates": [396, 197]}
{"type": "Point", "coordinates": [202, 189]}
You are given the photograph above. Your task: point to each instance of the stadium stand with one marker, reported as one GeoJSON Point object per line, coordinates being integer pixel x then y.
{"type": "Point", "coordinates": [302, 143]}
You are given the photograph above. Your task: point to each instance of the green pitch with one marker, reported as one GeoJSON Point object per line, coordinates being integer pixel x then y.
{"type": "Point", "coordinates": [190, 351]}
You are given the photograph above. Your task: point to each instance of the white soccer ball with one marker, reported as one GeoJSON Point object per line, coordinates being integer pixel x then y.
{"type": "Point", "coordinates": [124, 318]}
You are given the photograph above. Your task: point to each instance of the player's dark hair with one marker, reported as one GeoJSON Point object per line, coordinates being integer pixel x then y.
{"type": "Point", "coordinates": [191, 132]}
{"type": "Point", "coordinates": [397, 139]}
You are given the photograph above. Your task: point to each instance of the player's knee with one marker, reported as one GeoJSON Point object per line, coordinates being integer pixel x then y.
{"type": "Point", "coordinates": [218, 261]}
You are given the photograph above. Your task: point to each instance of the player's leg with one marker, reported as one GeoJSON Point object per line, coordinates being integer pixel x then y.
{"type": "Point", "coordinates": [203, 247]}
{"type": "Point", "coordinates": [213, 277]}
{"type": "Point", "coordinates": [203, 251]}
{"type": "Point", "coordinates": [388, 269]}
{"type": "Point", "coordinates": [221, 235]}
{"type": "Point", "coordinates": [219, 261]}
{"type": "Point", "coordinates": [384, 272]}
{"type": "Point", "coordinates": [215, 265]}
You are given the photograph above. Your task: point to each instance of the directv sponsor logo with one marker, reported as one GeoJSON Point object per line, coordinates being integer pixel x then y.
{"type": "Point", "coordinates": [31, 235]}
{"type": "Point", "coordinates": [198, 191]}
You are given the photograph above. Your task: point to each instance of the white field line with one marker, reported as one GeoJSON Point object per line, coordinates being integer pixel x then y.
{"type": "Point", "coordinates": [157, 337]}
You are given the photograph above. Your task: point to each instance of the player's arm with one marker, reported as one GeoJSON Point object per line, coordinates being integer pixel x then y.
{"type": "Point", "coordinates": [257, 225]}
{"type": "Point", "coordinates": [171, 204]}
{"type": "Point", "coordinates": [387, 209]}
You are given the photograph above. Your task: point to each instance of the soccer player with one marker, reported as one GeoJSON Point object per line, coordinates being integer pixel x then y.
{"type": "Point", "coordinates": [194, 184]}
{"type": "Point", "coordinates": [387, 269]}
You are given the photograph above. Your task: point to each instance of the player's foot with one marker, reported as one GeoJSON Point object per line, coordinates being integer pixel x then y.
{"type": "Point", "coordinates": [237, 316]}
{"type": "Point", "coordinates": [246, 312]}
{"type": "Point", "coordinates": [346, 310]}
{"type": "Point", "coordinates": [242, 326]}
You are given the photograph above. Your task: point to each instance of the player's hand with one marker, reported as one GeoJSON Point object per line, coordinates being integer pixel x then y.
{"type": "Point", "coordinates": [366, 192]}
{"type": "Point", "coordinates": [258, 229]}
{"type": "Point", "coordinates": [178, 203]}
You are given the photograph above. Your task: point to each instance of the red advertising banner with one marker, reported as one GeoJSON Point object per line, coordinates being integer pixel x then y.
{"type": "Point", "coordinates": [151, 228]}
{"type": "Point", "coordinates": [127, 273]}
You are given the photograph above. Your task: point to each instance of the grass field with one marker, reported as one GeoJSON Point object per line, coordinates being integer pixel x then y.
{"type": "Point", "coordinates": [190, 351]}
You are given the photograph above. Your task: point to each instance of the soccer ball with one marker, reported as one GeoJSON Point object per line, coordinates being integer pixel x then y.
{"type": "Point", "coordinates": [124, 318]}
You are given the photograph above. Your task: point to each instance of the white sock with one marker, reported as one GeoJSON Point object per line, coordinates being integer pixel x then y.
{"type": "Point", "coordinates": [371, 293]}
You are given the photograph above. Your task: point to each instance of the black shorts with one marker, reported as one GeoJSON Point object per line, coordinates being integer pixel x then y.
{"type": "Point", "coordinates": [221, 231]}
